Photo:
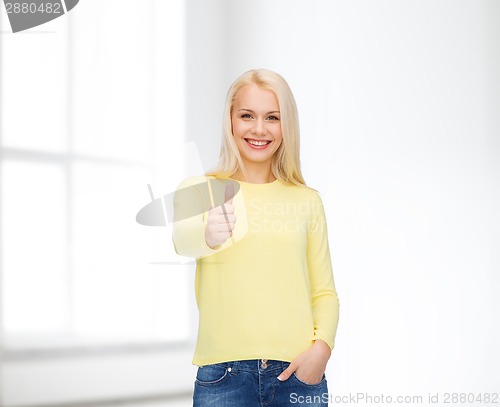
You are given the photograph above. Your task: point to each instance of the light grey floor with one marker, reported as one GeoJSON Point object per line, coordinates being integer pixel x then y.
{"type": "Point", "coordinates": [167, 403]}
{"type": "Point", "coordinates": [178, 402]}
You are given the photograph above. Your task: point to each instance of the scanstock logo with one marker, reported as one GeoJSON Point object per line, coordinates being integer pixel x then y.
{"type": "Point", "coordinates": [28, 14]}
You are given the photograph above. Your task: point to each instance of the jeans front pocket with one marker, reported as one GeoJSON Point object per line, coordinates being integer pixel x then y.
{"type": "Point", "coordinates": [314, 385]}
{"type": "Point", "coordinates": [210, 375]}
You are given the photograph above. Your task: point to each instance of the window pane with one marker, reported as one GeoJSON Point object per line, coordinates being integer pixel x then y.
{"type": "Point", "coordinates": [112, 83]}
{"type": "Point", "coordinates": [33, 219]}
{"type": "Point", "coordinates": [34, 87]}
{"type": "Point", "coordinates": [117, 293]}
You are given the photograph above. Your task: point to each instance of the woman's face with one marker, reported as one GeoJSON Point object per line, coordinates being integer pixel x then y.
{"type": "Point", "coordinates": [256, 124]}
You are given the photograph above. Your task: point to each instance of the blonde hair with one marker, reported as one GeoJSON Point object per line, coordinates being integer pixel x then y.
{"type": "Point", "coordinates": [286, 160]}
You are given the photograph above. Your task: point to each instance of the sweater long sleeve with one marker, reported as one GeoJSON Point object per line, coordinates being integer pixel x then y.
{"type": "Point", "coordinates": [325, 302]}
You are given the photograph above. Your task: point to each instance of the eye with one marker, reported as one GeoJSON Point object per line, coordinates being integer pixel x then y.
{"type": "Point", "coordinates": [273, 118]}
{"type": "Point", "coordinates": [246, 116]}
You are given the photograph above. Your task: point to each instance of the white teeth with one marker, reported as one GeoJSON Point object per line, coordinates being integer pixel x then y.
{"type": "Point", "coordinates": [257, 143]}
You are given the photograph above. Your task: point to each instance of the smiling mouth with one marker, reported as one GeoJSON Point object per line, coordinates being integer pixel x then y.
{"type": "Point", "coordinates": [257, 143]}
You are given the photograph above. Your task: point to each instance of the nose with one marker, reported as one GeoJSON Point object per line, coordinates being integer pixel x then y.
{"type": "Point", "coordinates": [259, 128]}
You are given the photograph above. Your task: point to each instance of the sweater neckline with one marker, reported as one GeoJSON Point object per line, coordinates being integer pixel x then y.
{"type": "Point", "coordinates": [257, 186]}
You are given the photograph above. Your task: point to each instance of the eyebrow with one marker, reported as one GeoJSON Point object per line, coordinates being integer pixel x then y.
{"type": "Point", "coordinates": [251, 111]}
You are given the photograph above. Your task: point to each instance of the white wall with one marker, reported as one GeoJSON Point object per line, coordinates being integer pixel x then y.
{"type": "Point", "coordinates": [399, 110]}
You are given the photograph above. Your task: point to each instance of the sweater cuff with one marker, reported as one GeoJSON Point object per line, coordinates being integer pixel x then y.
{"type": "Point", "coordinates": [318, 335]}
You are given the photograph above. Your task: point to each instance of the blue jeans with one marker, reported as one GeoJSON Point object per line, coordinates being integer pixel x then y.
{"type": "Point", "coordinates": [254, 383]}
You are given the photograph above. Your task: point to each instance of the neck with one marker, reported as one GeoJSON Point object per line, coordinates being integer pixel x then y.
{"type": "Point", "coordinates": [256, 176]}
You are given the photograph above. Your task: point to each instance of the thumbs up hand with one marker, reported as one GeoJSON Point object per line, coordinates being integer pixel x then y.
{"type": "Point", "coordinates": [221, 220]}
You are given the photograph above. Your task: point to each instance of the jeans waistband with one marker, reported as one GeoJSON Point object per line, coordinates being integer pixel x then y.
{"type": "Point", "coordinates": [256, 365]}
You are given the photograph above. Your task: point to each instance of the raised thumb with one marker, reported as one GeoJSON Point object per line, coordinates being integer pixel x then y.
{"type": "Point", "coordinates": [229, 193]}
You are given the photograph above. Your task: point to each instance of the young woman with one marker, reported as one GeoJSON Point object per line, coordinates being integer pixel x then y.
{"type": "Point", "coordinates": [268, 307]}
